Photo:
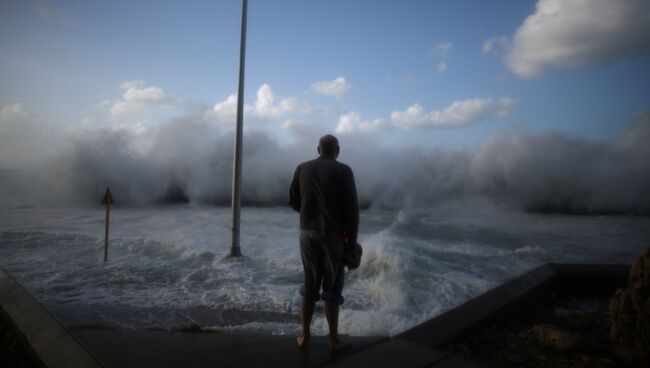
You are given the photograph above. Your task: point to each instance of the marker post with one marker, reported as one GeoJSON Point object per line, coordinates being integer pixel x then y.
{"type": "Point", "coordinates": [107, 200]}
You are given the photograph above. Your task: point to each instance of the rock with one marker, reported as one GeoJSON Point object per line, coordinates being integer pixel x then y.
{"type": "Point", "coordinates": [556, 337]}
{"type": "Point", "coordinates": [629, 314]}
{"type": "Point", "coordinates": [605, 363]}
{"type": "Point", "coordinates": [175, 194]}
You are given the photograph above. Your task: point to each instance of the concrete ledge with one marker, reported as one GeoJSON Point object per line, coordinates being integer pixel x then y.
{"type": "Point", "coordinates": [145, 348]}
{"type": "Point", "coordinates": [390, 354]}
{"type": "Point", "coordinates": [49, 344]}
{"type": "Point", "coordinates": [573, 279]}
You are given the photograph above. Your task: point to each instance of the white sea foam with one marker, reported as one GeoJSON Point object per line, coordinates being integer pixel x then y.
{"type": "Point", "coordinates": [416, 264]}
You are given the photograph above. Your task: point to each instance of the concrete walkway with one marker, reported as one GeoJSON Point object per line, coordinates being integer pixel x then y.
{"type": "Point", "coordinates": [50, 344]}
{"type": "Point", "coordinates": [140, 348]}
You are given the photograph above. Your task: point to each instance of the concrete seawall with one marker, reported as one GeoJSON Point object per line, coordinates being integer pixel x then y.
{"type": "Point", "coordinates": [48, 343]}
{"type": "Point", "coordinates": [575, 279]}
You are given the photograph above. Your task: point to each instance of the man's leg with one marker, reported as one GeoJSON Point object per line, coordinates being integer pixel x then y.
{"type": "Point", "coordinates": [309, 291]}
{"type": "Point", "coordinates": [333, 279]}
{"type": "Point", "coordinates": [307, 306]}
{"type": "Point", "coordinates": [332, 315]}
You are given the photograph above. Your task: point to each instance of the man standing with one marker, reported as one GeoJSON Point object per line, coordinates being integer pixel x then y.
{"type": "Point", "coordinates": [324, 193]}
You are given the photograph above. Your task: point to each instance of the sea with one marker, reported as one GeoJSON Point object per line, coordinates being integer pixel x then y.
{"type": "Point", "coordinates": [167, 266]}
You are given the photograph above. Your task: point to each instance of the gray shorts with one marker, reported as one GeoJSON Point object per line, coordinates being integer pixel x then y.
{"type": "Point", "coordinates": [322, 260]}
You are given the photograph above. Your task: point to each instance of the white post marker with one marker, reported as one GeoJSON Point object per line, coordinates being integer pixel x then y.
{"type": "Point", "coordinates": [107, 200]}
{"type": "Point", "coordinates": [235, 250]}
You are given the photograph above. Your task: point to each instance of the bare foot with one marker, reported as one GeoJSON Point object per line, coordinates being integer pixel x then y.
{"type": "Point", "coordinates": [337, 345]}
{"type": "Point", "coordinates": [303, 340]}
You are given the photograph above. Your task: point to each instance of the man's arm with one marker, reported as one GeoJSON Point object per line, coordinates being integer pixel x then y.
{"type": "Point", "coordinates": [350, 207]}
{"type": "Point", "coordinates": [294, 192]}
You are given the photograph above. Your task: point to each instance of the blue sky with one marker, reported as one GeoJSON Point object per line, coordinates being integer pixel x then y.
{"type": "Point", "coordinates": [426, 73]}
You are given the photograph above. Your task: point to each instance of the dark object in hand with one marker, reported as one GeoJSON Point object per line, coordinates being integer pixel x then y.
{"type": "Point", "coordinates": [353, 256]}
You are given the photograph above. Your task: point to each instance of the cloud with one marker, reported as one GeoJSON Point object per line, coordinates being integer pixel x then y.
{"type": "Point", "coordinates": [352, 122]}
{"type": "Point", "coordinates": [457, 114]}
{"type": "Point", "coordinates": [264, 107]}
{"type": "Point", "coordinates": [578, 33]}
{"type": "Point", "coordinates": [495, 45]}
{"type": "Point", "coordinates": [442, 50]}
{"type": "Point", "coordinates": [336, 88]}
{"type": "Point", "coordinates": [223, 111]}
{"type": "Point", "coordinates": [136, 97]}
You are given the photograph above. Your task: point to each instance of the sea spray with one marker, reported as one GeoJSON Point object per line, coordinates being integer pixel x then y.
{"type": "Point", "coordinates": [190, 161]}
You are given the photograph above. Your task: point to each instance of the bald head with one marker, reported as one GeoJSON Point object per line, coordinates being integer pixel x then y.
{"type": "Point", "coordinates": [328, 146]}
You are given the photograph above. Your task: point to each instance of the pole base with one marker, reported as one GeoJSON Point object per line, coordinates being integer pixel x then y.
{"type": "Point", "coordinates": [235, 252]}
{"type": "Point", "coordinates": [236, 258]}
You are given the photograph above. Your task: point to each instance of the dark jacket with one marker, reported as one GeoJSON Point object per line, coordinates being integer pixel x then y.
{"type": "Point", "coordinates": [324, 193]}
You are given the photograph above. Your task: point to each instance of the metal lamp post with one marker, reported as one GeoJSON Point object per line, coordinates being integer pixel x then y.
{"type": "Point", "coordinates": [235, 250]}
